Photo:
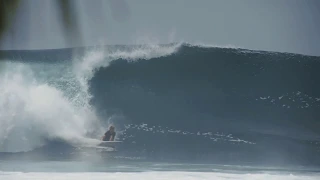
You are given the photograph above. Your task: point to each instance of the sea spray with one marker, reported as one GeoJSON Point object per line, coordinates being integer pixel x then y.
{"type": "Point", "coordinates": [43, 101]}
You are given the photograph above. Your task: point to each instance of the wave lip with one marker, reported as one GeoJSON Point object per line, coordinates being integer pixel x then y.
{"type": "Point", "coordinates": [102, 56]}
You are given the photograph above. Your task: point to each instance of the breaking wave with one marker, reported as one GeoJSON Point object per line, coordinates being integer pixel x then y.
{"type": "Point", "coordinates": [166, 101]}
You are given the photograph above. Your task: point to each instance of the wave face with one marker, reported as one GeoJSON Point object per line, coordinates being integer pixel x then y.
{"type": "Point", "coordinates": [176, 101]}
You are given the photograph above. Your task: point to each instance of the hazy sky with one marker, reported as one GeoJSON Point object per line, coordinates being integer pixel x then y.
{"type": "Point", "coordinates": [276, 25]}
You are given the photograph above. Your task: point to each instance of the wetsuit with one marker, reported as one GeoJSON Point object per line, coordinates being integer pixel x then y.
{"type": "Point", "coordinates": [108, 134]}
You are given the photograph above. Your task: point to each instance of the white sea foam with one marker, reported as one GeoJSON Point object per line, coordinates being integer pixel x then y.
{"type": "Point", "coordinates": [33, 112]}
{"type": "Point", "coordinates": [163, 175]}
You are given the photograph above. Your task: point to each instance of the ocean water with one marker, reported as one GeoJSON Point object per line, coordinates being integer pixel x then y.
{"type": "Point", "coordinates": [183, 111]}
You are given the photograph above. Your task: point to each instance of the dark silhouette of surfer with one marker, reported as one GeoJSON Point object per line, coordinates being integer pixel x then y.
{"type": "Point", "coordinates": [109, 135]}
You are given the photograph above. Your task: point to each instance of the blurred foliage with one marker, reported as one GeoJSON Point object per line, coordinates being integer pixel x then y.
{"type": "Point", "coordinates": [8, 9]}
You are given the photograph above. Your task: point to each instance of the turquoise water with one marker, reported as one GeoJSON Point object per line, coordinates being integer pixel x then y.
{"type": "Point", "coordinates": [146, 170]}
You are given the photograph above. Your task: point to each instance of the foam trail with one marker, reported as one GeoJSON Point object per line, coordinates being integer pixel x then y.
{"type": "Point", "coordinates": [153, 175]}
{"type": "Point", "coordinates": [205, 45]}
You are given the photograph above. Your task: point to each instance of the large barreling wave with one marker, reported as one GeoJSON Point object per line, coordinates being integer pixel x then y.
{"type": "Point", "coordinates": [174, 101]}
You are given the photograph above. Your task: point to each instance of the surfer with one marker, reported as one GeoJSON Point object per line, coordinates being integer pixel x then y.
{"type": "Point", "coordinates": [109, 135]}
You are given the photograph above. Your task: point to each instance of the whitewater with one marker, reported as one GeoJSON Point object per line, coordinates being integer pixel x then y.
{"type": "Point", "coordinates": [40, 102]}
{"type": "Point", "coordinates": [183, 111]}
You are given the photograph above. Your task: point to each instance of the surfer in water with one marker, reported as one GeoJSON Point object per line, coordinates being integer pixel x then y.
{"type": "Point", "coordinates": [109, 135]}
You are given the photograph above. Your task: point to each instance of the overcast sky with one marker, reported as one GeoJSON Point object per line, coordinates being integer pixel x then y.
{"type": "Point", "coordinates": [275, 25]}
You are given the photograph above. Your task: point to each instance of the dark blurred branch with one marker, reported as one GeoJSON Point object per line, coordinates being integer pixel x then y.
{"type": "Point", "coordinates": [7, 12]}
{"type": "Point", "coordinates": [69, 20]}
{"type": "Point", "coordinates": [68, 16]}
